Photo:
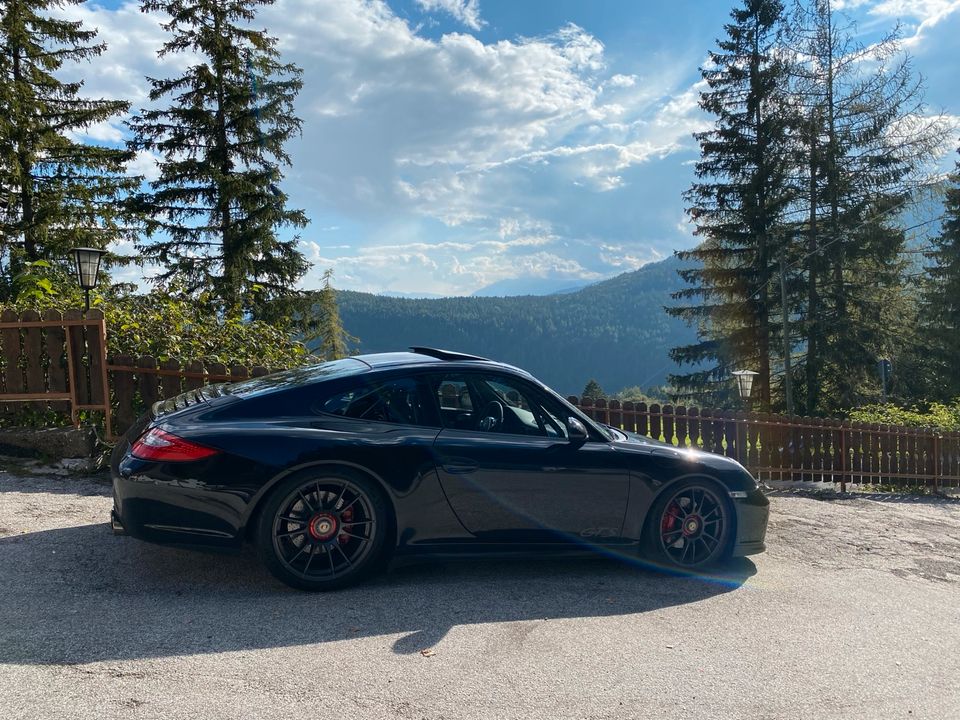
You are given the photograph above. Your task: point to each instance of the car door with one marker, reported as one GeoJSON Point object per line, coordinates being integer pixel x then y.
{"type": "Point", "coordinates": [510, 472]}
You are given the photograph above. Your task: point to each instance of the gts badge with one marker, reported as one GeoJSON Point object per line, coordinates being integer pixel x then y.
{"type": "Point", "coordinates": [600, 532]}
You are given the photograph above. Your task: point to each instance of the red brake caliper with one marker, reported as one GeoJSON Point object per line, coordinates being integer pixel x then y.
{"type": "Point", "coordinates": [669, 519]}
{"type": "Point", "coordinates": [345, 517]}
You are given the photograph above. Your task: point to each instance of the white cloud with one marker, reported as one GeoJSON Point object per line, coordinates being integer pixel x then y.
{"type": "Point", "coordinates": [466, 11]}
{"type": "Point", "coordinates": [433, 155]}
{"type": "Point", "coordinates": [927, 13]}
{"type": "Point", "coordinates": [619, 81]}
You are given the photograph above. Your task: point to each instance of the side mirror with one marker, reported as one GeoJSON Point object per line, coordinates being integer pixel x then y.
{"type": "Point", "coordinates": [576, 432]}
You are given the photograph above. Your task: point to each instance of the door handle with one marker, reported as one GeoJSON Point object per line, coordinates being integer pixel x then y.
{"type": "Point", "coordinates": [460, 468]}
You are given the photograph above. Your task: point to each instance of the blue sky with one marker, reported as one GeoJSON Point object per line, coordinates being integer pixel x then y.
{"type": "Point", "coordinates": [452, 144]}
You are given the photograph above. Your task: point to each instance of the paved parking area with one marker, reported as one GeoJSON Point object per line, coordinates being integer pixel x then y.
{"type": "Point", "coordinates": [854, 612]}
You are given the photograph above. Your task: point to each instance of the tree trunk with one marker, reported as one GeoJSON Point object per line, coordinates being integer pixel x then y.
{"type": "Point", "coordinates": [813, 299]}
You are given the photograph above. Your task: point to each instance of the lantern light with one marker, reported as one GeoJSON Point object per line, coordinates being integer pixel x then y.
{"type": "Point", "coordinates": [88, 268]}
{"type": "Point", "coordinates": [744, 382]}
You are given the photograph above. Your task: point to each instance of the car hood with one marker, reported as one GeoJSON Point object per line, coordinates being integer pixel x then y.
{"type": "Point", "coordinates": [639, 443]}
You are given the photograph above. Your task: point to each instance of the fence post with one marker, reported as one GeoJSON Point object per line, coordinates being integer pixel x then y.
{"type": "Point", "coordinates": [843, 456]}
{"type": "Point", "coordinates": [936, 460]}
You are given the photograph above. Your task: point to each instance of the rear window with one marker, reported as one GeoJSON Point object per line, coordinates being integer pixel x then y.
{"type": "Point", "coordinates": [292, 379]}
{"type": "Point", "coordinates": [399, 400]}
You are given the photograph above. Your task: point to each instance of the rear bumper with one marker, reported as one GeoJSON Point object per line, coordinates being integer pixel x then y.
{"type": "Point", "coordinates": [151, 505]}
{"type": "Point", "coordinates": [115, 525]}
{"type": "Point", "coordinates": [753, 513]}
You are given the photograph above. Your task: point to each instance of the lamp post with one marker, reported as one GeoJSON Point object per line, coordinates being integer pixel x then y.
{"type": "Point", "coordinates": [744, 380]}
{"type": "Point", "coordinates": [88, 269]}
{"type": "Point", "coordinates": [744, 383]}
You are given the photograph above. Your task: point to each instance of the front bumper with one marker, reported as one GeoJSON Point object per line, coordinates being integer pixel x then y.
{"type": "Point", "coordinates": [753, 513]}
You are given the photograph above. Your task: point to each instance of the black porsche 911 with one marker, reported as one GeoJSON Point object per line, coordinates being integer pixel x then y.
{"type": "Point", "coordinates": [332, 469]}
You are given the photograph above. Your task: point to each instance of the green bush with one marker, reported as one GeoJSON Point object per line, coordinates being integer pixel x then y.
{"type": "Point", "coordinates": [944, 417]}
{"type": "Point", "coordinates": [165, 322]}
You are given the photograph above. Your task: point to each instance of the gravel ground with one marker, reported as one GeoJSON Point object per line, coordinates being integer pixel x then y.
{"type": "Point", "coordinates": [853, 612]}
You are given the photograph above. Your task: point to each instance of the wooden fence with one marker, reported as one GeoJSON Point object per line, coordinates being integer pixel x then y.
{"type": "Point", "coordinates": [138, 382]}
{"type": "Point", "coordinates": [780, 447]}
{"type": "Point", "coordinates": [59, 363]}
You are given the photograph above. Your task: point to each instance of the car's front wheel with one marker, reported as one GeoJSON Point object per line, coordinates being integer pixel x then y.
{"type": "Point", "coordinates": [690, 526]}
{"type": "Point", "coordinates": [323, 530]}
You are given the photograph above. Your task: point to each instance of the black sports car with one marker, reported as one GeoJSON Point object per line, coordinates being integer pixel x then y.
{"type": "Point", "coordinates": [332, 469]}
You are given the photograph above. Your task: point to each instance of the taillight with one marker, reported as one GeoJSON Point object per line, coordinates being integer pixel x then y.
{"type": "Point", "coordinates": [160, 446]}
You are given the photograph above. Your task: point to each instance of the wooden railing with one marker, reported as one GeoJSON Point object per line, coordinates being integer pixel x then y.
{"type": "Point", "coordinates": [59, 363]}
{"type": "Point", "coordinates": [780, 447]}
{"type": "Point", "coordinates": [56, 362]}
{"type": "Point", "coordinates": [138, 382]}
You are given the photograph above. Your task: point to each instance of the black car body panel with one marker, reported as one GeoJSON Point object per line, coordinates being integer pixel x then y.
{"type": "Point", "coordinates": [451, 489]}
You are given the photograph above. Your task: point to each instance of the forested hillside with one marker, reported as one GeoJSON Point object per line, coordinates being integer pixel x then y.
{"type": "Point", "coordinates": [615, 331]}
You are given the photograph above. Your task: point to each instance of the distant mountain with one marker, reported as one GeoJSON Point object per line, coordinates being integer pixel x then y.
{"type": "Point", "coordinates": [414, 295]}
{"type": "Point", "coordinates": [615, 331]}
{"type": "Point", "coordinates": [531, 286]}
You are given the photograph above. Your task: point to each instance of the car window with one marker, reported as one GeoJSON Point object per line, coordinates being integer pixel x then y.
{"type": "Point", "coordinates": [399, 400]}
{"type": "Point", "coordinates": [296, 379]}
{"type": "Point", "coordinates": [455, 401]}
{"type": "Point", "coordinates": [499, 404]}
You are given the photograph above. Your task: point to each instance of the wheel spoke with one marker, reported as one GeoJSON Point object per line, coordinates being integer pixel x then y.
{"type": "Point", "coordinates": [289, 518]}
{"type": "Point", "coordinates": [358, 537]}
{"type": "Point", "coordinates": [305, 501]}
{"type": "Point", "coordinates": [349, 563]}
{"type": "Point", "coordinates": [336, 502]}
{"type": "Point", "coordinates": [357, 522]}
{"type": "Point", "coordinates": [299, 553]}
{"type": "Point", "coordinates": [291, 533]}
{"type": "Point", "coordinates": [309, 560]}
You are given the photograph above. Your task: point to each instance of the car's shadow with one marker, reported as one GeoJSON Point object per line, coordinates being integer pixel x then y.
{"type": "Point", "coordinates": [78, 595]}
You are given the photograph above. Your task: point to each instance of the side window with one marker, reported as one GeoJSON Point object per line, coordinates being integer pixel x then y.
{"type": "Point", "coordinates": [498, 404]}
{"type": "Point", "coordinates": [399, 400]}
{"type": "Point", "coordinates": [455, 401]}
{"type": "Point", "coordinates": [508, 406]}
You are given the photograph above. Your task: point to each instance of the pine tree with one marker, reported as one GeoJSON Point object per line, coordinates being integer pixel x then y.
{"type": "Point", "coordinates": [862, 150]}
{"type": "Point", "coordinates": [56, 192]}
{"type": "Point", "coordinates": [593, 390]}
{"type": "Point", "coordinates": [942, 310]}
{"type": "Point", "coordinates": [216, 208]}
{"type": "Point", "coordinates": [737, 204]}
{"type": "Point", "coordinates": [327, 336]}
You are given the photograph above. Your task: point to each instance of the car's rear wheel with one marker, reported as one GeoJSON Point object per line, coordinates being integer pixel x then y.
{"type": "Point", "coordinates": [324, 530]}
{"type": "Point", "coordinates": [690, 526]}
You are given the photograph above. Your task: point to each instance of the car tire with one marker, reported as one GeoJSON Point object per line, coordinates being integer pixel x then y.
{"type": "Point", "coordinates": [324, 529]}
{"type": "Point", "coordinates": [690, 526]}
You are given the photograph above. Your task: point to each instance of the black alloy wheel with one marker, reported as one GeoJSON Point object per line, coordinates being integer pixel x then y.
{"type": "Point", "coordinates": [690, 526]}
{"type": "Point", "coordinates": [324, 531]}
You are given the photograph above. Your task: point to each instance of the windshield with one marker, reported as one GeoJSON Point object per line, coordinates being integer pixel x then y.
{"type": "Point", "coordinates": [606, 432]}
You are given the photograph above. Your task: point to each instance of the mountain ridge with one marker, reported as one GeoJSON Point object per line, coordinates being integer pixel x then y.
{"type": "Point", "coordinates": [615, 331]}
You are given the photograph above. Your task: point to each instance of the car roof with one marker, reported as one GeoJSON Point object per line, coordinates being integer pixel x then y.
{"type": "Point", "coordinates": [431, 357]}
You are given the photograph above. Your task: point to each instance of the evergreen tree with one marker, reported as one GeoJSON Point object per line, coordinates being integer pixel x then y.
{"type": "Point", "coordinates": [942, 311]}
{"type": "Point", "coordinates": [863, 150]}
{"type": "Point", "coordinates": [327, 337]}
{"type": "Point", "coordinates": [216, 208]}
{"type": "Point", "coordinates": [56, 192]}
{"type": "Point", "coordinates": [593, 390]}
{"type": "Point", "coordinates": [737, 205]}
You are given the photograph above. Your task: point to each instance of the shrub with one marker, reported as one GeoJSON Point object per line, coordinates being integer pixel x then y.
{"type": "Point", "coordinates": [938, 415]}
{"type": "Point", "coordinates": [165, 322]}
